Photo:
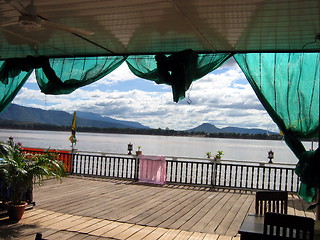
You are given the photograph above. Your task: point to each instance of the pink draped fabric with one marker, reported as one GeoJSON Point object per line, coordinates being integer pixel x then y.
{"type": "Point", "coordinates": [152, 169]}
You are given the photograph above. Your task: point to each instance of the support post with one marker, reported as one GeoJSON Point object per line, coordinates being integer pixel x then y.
{"type": "Point", "coordinates": [137, 168]}
{"type": "Point", "coordinates": [72, 158]}
{"type": "Point", "coordinates": [318, 190]}
{"type": "Point", "coordinates": [214, 173]}
{"type": "Point", "coordinates": [318, 207]}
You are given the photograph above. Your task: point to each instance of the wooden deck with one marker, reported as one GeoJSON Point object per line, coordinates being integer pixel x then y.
{"type": "Point", "coordinates": [87, 208]}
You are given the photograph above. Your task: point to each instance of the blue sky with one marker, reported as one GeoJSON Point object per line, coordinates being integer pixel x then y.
{"type": "Point", "coordinates": [223, 98]}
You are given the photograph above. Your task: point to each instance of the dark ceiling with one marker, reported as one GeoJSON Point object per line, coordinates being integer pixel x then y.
{"type": "Point", "coordinates": [63, 28]}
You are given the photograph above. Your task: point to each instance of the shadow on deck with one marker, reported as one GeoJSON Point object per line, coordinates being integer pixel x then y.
{"type": "Point", "coordinates": [90, 208]}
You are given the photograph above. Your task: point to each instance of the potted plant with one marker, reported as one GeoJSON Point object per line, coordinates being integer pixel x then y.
{"type": "Point", "coordinates": [21, 171]}
{"type": "Point", "coordinates": [139, 152]}
{"type": "Point", "coordinates": [218, 155]}
{"type": "Point", "coordinates": [209, 154]}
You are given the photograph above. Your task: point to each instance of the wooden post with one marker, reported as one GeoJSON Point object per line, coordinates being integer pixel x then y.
{"type": "Point", "coordinates": [137, 168]}
{"type": "Point", "coordinates": [214, 173]}
{"type": "Point", "coordinates": [72, 157]}
{"type": "Point", "coordinates": [318, 190]}
{"type": "Point", "coordinates": [318, 207]}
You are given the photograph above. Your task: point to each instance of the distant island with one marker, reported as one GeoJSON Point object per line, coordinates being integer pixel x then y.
{"type": "Point", "coordinates": [20, 117]}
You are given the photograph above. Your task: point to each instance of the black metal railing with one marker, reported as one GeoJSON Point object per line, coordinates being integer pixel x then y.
{"type": "Point", "coordinates": [105, 166]}
{"type": "Point", "coordinates": [188, 171]}
{"type": "Point", "coordinates": [256, 177]}
{"type": "Point", "coordinates": [191, 173]}
{"type": "Point", "coordinates": [235, 176]}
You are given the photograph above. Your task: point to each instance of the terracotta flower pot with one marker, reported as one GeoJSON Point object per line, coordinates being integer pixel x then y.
{"type": "Point", "coordinates": [15, 212]}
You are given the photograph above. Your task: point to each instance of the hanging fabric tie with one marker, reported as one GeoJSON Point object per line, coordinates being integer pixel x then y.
{"type": "Point", "coordinates": [178, 70]}
{"type": "Point", "coordinates": [54, 82]}
{"type": "Point", "coordinates": [13, 67]}
{"type": "Point", "coordinates": [307, 168]}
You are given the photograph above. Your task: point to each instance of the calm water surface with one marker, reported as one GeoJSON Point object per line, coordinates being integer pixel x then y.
{"type": "Point", "coordinates": [239, 149]}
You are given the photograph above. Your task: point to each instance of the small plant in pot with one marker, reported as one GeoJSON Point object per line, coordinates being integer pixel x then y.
{"type": "Point", "coordinates": [218, 156]}
{"type": "Point", "coordinates": [139, 152]}
{"type": "Point", "coordinates": [20, 172]}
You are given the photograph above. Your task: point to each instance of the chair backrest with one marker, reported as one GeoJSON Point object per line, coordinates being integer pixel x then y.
{"type": "Point", "coordinates": [271, 201]}
{"type": "Point", "coordinates": [283, 226]}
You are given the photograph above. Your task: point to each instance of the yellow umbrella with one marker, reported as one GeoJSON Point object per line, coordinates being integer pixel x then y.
{"type": "Point", "coordinates": [73, 138]}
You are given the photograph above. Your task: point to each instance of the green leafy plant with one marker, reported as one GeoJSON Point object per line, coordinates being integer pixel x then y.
{"type": "Point", "coordinates": [209, 154]}
{"type": "Point", "coordinates": [21, 171]}
{"type": "Point", "coordinates": [139, 152]}
{"type": "Point", "coordinates": [218, 156]}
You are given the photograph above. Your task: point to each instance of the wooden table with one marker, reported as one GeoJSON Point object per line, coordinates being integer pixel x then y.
{"type": "Point", "coordinates": [252, 228]}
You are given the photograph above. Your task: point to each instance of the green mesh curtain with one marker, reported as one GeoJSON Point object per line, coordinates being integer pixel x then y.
{"type": "Point", "coordinates": [178, 69]}
{"type": "Point", "coordinates": [68, 74]}
{"type": "Point", "coordinates": [11, 81]}
{"type": "Point", "coordinates": [287, 84]}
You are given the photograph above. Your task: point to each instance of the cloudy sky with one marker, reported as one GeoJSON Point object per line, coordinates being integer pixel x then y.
{"type": "Point", "coordinates": [223, 98]}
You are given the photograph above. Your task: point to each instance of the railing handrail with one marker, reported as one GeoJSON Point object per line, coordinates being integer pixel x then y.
{"type": "Point", "coordinates": [179, 158]}
{"type": "Point", "coordinates": [204, 159]}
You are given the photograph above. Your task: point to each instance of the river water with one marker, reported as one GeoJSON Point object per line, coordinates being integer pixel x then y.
{"type": "Point", "coordinates": [238, 149]}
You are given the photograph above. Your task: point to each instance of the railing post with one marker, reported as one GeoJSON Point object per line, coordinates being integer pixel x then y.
{"type": "Point", "coordinates": [136, 171]}
{"type": "Point", "coordinates": [214, 174]}
{"type": "Point", "coordinates": [72, 162]}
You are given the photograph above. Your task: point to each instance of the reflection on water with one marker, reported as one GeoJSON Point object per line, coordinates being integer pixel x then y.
{"type": "Point", "coordinates": [240, 149]}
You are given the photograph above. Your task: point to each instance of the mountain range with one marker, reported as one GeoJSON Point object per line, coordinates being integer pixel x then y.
{"type": "Point", "coordinates": [22, 114]}
{"type": "Point", "coordinates": [210, 128]}
{"type": "Point", "coordinates": [60, 118]}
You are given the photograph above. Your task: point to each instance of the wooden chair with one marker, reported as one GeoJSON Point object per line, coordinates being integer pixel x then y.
{"type": "Point", "coordinates": [271, 201]}
{"type": "Point", "coordinates": [283, 226]}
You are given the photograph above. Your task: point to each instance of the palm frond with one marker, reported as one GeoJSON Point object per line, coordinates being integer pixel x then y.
{"type": "Point", "coordinates": [20, 171]}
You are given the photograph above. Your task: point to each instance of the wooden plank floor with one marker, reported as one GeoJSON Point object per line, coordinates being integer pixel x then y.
{"type": "Point", "coordinates": [88, 208]}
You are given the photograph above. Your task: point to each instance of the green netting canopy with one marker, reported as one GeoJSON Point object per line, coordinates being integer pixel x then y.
{"type": "Point", "coordinates": [12, 78]}
{"type": "Point", "coordinates": [68, 74]}
{"type": "Point", "coordinates": [178, 70]}
{"type": "Point", "coordinates": [54, 76]}
{"type": "Point", "coordinates": [287, 85]}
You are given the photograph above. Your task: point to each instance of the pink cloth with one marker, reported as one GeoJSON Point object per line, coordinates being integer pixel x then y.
{"type": "Point", "coordinates": [152, 169]}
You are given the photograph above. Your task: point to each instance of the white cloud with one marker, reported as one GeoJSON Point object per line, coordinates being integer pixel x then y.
{"type": "Point", "coordinates": [32, 78]}
{"type": "Point", "coordinates": [121, 74]}
{"type": "Point", "coordinates": [223, 98]}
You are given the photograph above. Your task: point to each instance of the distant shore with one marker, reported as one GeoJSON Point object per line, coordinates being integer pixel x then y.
{"type": "Point", "coordinates": [6, 124]}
